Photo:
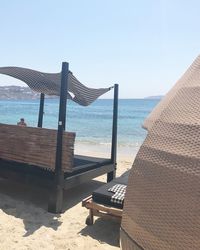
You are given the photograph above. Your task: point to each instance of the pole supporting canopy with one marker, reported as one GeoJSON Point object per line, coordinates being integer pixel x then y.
{"type": "Point", "coordinates": [49, 84]}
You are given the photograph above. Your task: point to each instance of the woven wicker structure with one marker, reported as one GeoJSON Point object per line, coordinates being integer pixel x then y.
{"type": "Point", "coordinates": [161, 210]}
{"type": "Point", "coordinates": [189, 79]}
{"type": "Point", "coordinates": [35, 146]}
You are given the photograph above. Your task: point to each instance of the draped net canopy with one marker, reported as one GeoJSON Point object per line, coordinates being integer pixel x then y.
{"type": "Point", "coordinates": [162, 202]}
{"type": "Point", "coordinates": [49, 84]}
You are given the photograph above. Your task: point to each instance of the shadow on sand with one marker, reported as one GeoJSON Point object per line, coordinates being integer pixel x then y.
{"type": "Point", "coordinates": [30, 203]}
{"type": "Point", "coordinates": [110, 228]}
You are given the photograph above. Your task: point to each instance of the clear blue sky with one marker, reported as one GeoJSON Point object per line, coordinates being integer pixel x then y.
{"type": "Point", "coordinates": [143, 45]}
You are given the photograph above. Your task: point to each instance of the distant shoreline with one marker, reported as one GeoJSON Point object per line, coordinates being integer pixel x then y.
{"type": "Point", "coordinates": [25, 93]}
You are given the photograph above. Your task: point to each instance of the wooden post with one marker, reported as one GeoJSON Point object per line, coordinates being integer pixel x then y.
{"type": "Point", "coordinates": [112, 174]}
{"type": "Point", "coordinates": [56, 196]}
{"type": "Point", "coordinates": [41, 111]}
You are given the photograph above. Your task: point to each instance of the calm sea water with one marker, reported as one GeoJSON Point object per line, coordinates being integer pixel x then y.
{"type": "Point", "coordinates": [93, 124]}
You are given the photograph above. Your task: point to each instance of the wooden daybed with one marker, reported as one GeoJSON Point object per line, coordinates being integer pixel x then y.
{"type": "Point", "coordinates": [45, 156]}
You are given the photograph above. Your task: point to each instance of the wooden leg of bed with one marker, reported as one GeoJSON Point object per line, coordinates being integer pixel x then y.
{"type": "Point", "coordinates": [90, 218]}
{"type": "Point", "coordinates": [111, 175]}
{"type": "Point", "coordinates": [55, 200]}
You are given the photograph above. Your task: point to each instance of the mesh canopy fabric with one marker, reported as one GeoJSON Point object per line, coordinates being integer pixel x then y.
{"type": "Point", "coordinates": [49, 84]}
{"type": "Point", "coordinates": [161, 209]}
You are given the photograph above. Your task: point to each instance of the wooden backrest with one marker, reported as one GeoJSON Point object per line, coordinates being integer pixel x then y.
{"type": "Point", "coordinates": [35, 146]}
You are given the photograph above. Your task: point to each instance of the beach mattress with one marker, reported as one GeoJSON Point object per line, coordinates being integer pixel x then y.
{"type": "Point", "coordinates": [103, 196]}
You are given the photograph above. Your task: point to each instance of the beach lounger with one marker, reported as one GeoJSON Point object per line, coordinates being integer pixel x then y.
{"type": "Point", "coordinates": [106, 203]}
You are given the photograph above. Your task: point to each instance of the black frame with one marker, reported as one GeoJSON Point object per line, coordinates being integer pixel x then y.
{"type": "Point", "coordinates": [41, 110]}
{"type": "Point", "coordinates": [58, 181]}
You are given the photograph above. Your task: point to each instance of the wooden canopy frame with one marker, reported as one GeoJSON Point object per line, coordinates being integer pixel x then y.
{"type": "Point", "coordinates": [58, 180]}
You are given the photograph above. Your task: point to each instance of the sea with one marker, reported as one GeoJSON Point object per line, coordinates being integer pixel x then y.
{"type": "Point", "coordinates": [92, 124]}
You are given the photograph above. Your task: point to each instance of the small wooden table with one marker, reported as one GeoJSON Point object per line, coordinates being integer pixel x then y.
{"type": "Point", "coordinates": [99, 210]}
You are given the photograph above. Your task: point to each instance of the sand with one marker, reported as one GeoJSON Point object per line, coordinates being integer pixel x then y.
{"type": "Point", "coordinates": [26, 224]}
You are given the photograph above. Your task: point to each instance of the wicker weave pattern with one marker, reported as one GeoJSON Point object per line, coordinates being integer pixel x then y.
{"type": "Point", "coordinates": [189, 79]}
{"type": "Point", "coordinates": [49, 83]}
{"type": "Point", "coordinates": [162, 202]}
{"type": "Point", "coordinates": [35, 146]}
{"type": "Point", "coordinates": [128, 243]}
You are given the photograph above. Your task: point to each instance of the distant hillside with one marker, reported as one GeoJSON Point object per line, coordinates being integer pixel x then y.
{"type": "Point", "coordinates": [18, 93]}
{"type": "Point", "coordinates": [154, 97]}
{"type": "Point", "coordinates": [24, 93]}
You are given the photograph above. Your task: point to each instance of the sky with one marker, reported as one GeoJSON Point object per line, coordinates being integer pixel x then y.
{"type": "Point", "coordinates": [144, 46]}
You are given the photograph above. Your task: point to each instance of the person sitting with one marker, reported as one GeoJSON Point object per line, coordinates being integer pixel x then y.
{"type": "Point", "coordinates": [22, 123]}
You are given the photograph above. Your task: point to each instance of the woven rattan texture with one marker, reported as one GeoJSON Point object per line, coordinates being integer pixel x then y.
{"type": "Point", "coordinates": [127, 242]}
{"type": "Point", "coordinates": [49, 84]}
{"type": "Point", "coordinates": [189, 79]}
{"type": "Point", "coordinates": [162, 202]}
{"type": "Point", "coordinates": [35, 146]}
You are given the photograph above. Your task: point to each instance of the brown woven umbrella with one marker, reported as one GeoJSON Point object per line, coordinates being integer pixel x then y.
{"type": "Point", "coordinates": [162, 204]}
{"type": "Point", "coordinates": [189, 79]}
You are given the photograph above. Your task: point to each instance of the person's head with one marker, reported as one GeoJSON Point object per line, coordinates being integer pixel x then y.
{"type": "Point", "coordinates": [22, 122]}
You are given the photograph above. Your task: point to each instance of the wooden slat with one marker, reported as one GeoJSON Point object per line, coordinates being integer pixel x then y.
{"type": "Point", "coordinates": [86, 200]}
{"type": "Point", "coordinates": [107, 216]}
{"type": "Point", "coordinates": [90, 204]}
{"type": "Point", "coordinates": [99, 210]}
{"type": "Point", "coordinates": [35, 146]}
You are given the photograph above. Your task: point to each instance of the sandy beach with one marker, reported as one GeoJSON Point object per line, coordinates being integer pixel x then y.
{"type": "Point", "coordinates": [26, 224]}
